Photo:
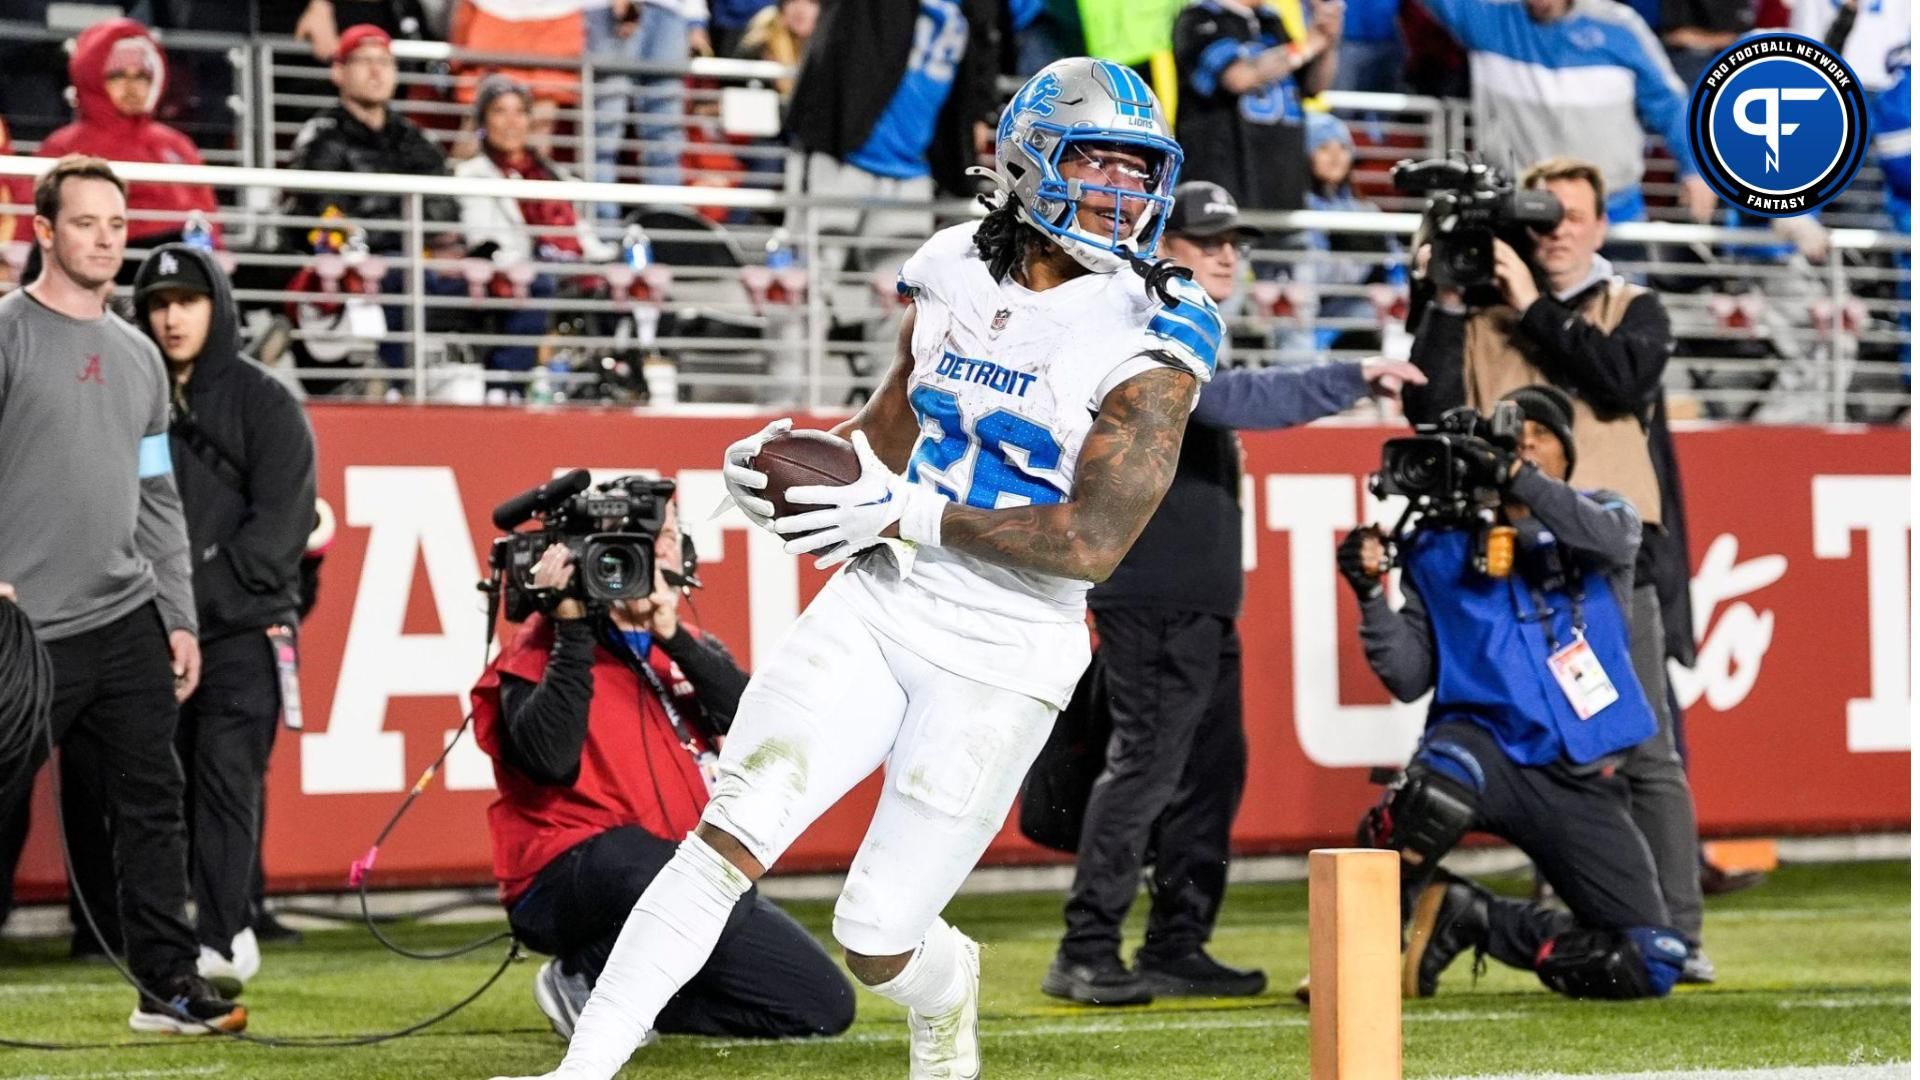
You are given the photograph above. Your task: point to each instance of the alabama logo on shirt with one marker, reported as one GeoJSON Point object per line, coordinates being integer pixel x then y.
{"type": "Point", "coordinates": [1778, 124]}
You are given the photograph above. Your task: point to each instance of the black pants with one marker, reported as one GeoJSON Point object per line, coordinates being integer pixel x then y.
{"type": "Point", "coordinates": [113, 709]}
{"type": "Point", "coordinates": [767, 979]}
{"type": "Point", "coordinates": [1578, 829]}
{"type": "Point", "coordinates": [1176, 766]}
{"type": "Point", "coordinates": [226, 733]}
{"type": "Point", "coordinates": [225, 736]}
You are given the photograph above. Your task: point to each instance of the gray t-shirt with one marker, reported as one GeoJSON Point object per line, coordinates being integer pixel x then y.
{"type": "Point", "coordinates": [90, 521]}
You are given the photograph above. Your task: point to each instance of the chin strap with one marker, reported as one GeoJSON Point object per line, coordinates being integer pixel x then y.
{"type": "Point", "coordinates": [1157, 273]}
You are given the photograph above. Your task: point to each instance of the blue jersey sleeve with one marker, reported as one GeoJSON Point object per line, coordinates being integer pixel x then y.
{"type": "Point", "coordinates": [1464, 19]}
{"type": "Point", "coordinates": [1191, 329]}
{"type": "Point", "coordinates": [1659, 98]}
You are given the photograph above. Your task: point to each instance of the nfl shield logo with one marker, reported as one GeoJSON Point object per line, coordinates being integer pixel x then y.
{"type": "Point", "coordinates": [1000, 319]}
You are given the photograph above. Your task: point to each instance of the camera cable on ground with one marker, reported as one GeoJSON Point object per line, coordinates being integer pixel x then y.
{"type": "Point", "coordinates": [26, 711]}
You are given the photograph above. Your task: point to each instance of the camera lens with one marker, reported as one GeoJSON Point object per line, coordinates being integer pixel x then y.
{"type": "Point", "coordinates": [614, 567]}
{"type": "Point", "coordinates": [1421, 469]}
{"type": "Point", "coordinates": [617, 568]}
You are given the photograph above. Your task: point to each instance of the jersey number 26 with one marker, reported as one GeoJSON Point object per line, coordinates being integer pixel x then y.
{"type": "Point", "coordinates": [989, 439]}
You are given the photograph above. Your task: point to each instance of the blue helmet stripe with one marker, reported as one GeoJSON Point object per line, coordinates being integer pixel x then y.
{"type": "Point", "coordinates": [1128, 89]}
{"type": "Point", "coordinates": [1140, 92]}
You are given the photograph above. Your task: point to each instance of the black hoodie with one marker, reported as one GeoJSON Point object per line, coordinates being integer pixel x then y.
{"type": "Point", "coordinates": [243, 457]}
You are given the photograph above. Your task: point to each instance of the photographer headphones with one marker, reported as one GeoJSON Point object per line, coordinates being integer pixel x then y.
{"type": "Point", "coordinates": [688, 576]}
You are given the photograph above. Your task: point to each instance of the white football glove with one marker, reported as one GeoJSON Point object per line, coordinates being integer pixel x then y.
{"type": "Point", "coordinates": [743, 482]}
{"type": "Point", "coordinates": [855, 514]}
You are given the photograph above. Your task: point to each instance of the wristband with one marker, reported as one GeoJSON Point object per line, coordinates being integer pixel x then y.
{"type": "Point", "coordinates": [920, 518]}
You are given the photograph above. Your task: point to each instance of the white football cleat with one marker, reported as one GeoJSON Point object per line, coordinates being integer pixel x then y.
{"type": "Point", "coordinates": [947, 1047]}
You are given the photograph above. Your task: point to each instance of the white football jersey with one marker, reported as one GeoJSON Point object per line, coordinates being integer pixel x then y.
{"type": "Point", "coordinates": [1006, 385]}
{"type": "Point", "coordinates": [1879, 27]}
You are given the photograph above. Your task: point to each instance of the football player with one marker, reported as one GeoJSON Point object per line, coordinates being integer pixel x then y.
{"type": "Point", "coordinates": [1028, 428]}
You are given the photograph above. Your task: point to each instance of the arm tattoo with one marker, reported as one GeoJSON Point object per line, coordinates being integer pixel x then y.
{"type": "Point", "coordinates": [887, 417]}
{"type": "Point", "coordinates": [1126, 463]}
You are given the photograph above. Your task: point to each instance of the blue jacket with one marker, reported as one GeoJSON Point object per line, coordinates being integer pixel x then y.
{"type": "Point", "coordinates": [1475, 642]}
{"type": "Point", "coordinates": [1590, 84]}
{"type": "Point", "coordinates": [1892, 116]}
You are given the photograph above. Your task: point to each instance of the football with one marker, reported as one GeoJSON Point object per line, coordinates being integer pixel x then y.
{"type": "Point", "coordinates": [800, 458]}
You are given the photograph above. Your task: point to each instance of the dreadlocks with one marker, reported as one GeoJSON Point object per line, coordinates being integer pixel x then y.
{"type": "Point", "coordinates": [1002, 238]}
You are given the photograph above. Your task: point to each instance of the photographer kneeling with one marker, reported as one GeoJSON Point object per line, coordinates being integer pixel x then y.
{"type": "Point", "coordinates": [602, 726]}
{"type": "Point", "coordinates": [1517, 599]}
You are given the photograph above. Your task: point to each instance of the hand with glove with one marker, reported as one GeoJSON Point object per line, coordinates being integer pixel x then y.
{"type": "Point", "coordinates": [857, 516]}
{"type": "Point", "coordinates": [1363, 561]}
{"type": "Point", "coordinates": [743, 481]}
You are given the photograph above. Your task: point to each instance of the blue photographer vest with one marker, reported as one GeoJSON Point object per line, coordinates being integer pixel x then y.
{"type": "Point", "coordinates": [1491, 651]}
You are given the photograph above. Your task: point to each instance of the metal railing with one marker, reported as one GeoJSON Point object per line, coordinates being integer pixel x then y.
{"type": "Point", "coordinates": [716, 316]}
{"type": "Point", "coordinates": [1763, 333]}
{"type": "Point", "coordinates": [276, 86]}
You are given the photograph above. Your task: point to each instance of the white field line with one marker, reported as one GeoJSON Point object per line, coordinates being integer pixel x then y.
{"type": "Point", "coordinates": [1897, 1071]}
{"type": "Point", "coordinates": [48, 989]}
{"type": "Point", "coordinates": [1041, 1027]}
{"type": "Point", "coordinates": [127, 1075]}
{"type": "Point", "coordinates": [1030, 1028]}
{"type": "Point", "coordinates": [1861, 1001]}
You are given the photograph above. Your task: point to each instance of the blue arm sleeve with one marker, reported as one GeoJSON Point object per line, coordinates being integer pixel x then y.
{"type": "Point", "coordinates": [1277, 397]}
{"type": "Point", "coordinates": [156, 456]}
{"type": "Point", "coordinates": [1659, 97]}
{"type": "Point", "coordinates": [1460, 17]}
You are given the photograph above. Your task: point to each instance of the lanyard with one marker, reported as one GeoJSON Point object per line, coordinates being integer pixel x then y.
{"type": "Point", "coordinates": [1543, 613]}
{"type": "Point", "coordinates": [681, 731]}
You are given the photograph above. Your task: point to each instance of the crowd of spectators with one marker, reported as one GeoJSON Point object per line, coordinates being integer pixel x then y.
{"type": "Point", "coordinates": [889, 101]}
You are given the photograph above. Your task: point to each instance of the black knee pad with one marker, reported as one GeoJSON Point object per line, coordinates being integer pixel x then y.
{"type": "Point", "coordinates": [1428, 809]}
{"type": "Point", "coordinates": [1644, 961]}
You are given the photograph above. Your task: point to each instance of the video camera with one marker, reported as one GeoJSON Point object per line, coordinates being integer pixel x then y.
{"type": "Point", "coordinates": [609, 528]}
{"type": "Point", "coordinates": [1434, 469]}
{"type": "Point", "coordinates": [1469, 205]}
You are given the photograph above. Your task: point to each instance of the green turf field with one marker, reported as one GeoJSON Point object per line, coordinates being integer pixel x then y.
{"type": "Point", "coordinates": [1814, 970]}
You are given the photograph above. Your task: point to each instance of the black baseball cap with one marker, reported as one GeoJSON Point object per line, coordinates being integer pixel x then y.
{"type": "Point", "coordinates": [1202, 208]}
{"type": "Point", "coordinates": [169, 268]}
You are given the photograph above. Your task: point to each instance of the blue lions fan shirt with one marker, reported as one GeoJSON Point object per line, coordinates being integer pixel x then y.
{"type": "Point", "coordinates": [897, 147]}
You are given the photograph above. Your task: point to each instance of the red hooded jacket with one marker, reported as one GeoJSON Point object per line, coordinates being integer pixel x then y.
{"type": "Point", "coordinates": [102, 131]}
{"type": "Point", "coordinates": [18, 191]}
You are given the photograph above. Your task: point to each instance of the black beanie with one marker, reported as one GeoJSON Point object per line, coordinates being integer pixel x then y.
{"type": "Point", "coordinates": [1551, 409]}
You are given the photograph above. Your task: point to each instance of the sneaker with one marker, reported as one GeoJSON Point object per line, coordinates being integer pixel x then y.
{"type": "Point", "coordinates": [1303, 993]}
{"type": "Point", "coordinates": [220, 972]}
{"type": "Point", "coordinates": [1102, 982]}
{"type": "Point", "coordinates": [1449, 918]}
{"type": "Point", "coordinates": [192, 1008]}
{"type": "Point", "coordinates": [947, 1047]}
{"type": "Point", "coordinates": [1197, 975]}
{"type": "Point", "coordinates": [1698, 970]}
{"type": "Point", "coordinates": [266, 927]}
{"type": "Point", "coordinates": [1717, 882]}
{"type": "Point", "coordinates": [561, 996]}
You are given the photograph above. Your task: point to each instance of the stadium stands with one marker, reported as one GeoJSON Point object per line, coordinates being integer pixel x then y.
{"type": "Point", "coordinates": [713, 300]}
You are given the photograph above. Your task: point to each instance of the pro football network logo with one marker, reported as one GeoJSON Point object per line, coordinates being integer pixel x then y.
{"type": "Point", "coordinates": [1778, 125]}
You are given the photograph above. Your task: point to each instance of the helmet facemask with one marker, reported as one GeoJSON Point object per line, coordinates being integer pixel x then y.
{"type": "Point", "coordinates": [1103, 198]}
